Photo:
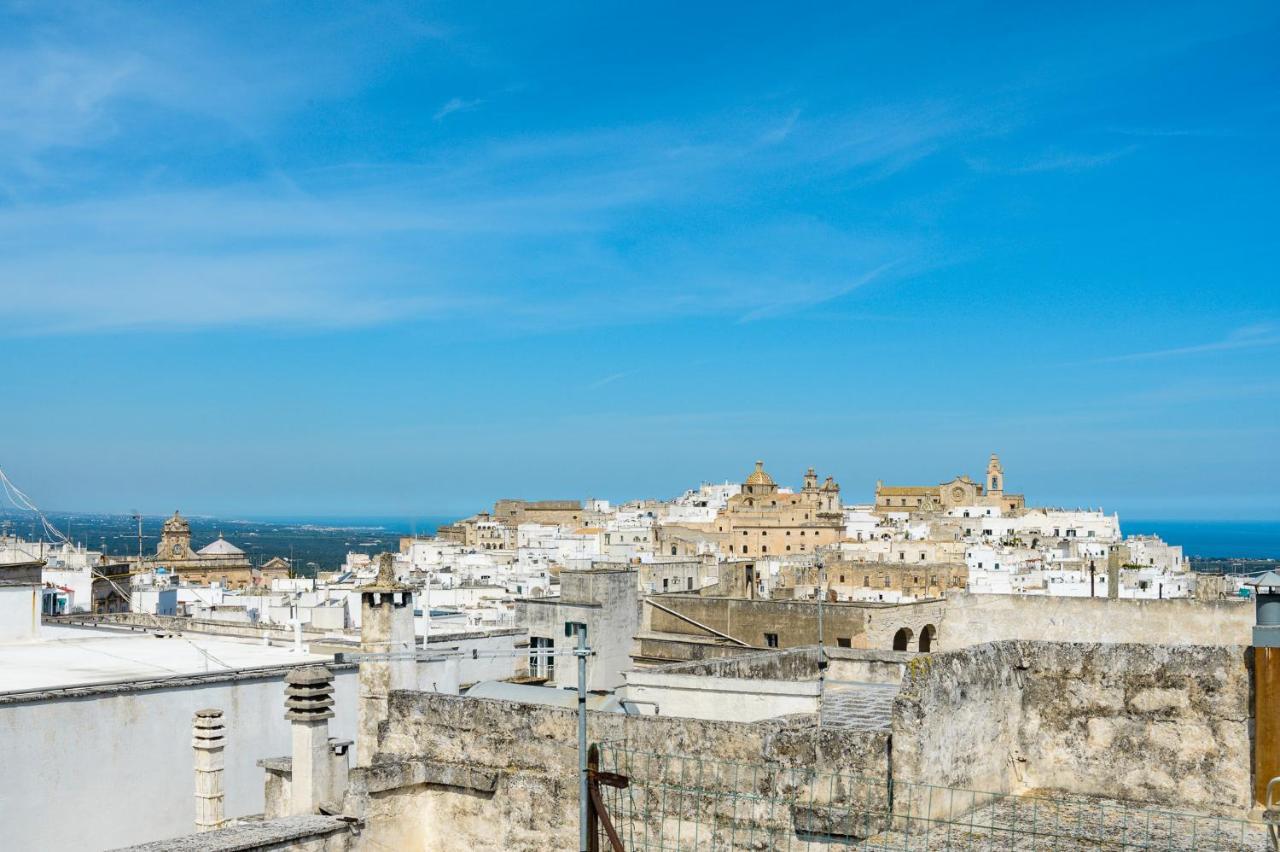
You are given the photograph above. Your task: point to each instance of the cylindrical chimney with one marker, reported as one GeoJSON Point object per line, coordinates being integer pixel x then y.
{"type": "Point", "coordinates": [208, 737]}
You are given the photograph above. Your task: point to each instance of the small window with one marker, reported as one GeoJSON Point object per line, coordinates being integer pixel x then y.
{"type": "Point", "coordinates": [771, 640]}
{"type": "Point", "coordinates": [844, 642]}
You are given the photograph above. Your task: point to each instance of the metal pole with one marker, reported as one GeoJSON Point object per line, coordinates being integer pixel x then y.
{"type": "Point", "coordinates": [822, 650]}
{"type": "Point", "coordinates": [583, 816]}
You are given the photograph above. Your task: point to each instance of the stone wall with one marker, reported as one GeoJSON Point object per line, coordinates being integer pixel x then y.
{"type": "Point", "coordinates": [974, 619]}
{"type": "Point", "coordinates": [182, 624]}
{"type": "Point", "coordinates": [791, 664]}
{"type": "Point", "coordinates": [1161, 724]}
{"type": "Point", "coordinates": [473, 774]}
{"type": "Point", "coordinates": [795, 623]}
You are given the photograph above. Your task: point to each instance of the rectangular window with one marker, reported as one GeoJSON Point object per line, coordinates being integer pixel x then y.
{"type": "Point", "coordinates": [691, 583]}
{"type": "Point", "coordinates": [541, 661]}
{"type": "Point", "coordinates": [771, 640]}
{"type": "Point", "coordinates": [844, 642]}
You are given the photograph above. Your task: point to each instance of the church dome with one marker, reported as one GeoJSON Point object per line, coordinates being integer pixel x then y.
{"type": "Point", "coordinates": [221, 547]}
{"type": "Point", "coordinates": [759, 477]}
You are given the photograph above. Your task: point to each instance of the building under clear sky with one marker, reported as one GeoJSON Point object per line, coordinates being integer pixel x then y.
{"type": "Point", "coordinates": [407, 260]}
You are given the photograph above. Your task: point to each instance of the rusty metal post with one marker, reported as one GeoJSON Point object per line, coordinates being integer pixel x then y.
{"type": "Point", "coordinates": [593, 816]}
{"type": "Point", "coordinates": [1266, 684]}
{"type": "Point", "coordinates": [1266, 697]}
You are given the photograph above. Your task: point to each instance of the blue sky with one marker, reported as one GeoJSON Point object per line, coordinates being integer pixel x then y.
{"type": "Point", "coordinates": [351, 259]}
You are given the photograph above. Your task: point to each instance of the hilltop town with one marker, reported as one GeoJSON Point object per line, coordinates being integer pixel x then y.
{"type": "Point", "coordinates": [935, 642]}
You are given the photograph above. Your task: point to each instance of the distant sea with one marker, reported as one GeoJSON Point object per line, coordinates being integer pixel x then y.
{"type": "Point", "coordinates": [1213, 539]}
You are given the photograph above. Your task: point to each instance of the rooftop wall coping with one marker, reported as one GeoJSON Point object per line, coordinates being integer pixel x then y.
{"type": "Point", "coordinates": [126, 687]}
{"type": "Point", "coordinates": [714, 683]}
{"type": "Point", "coordinates": [810, 601]}
{"type": "Point", "coordinates": [249, 835]}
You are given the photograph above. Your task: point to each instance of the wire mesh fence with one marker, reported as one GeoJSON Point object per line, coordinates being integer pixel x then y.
{"type": "Point", "coordinates": [687, 802]}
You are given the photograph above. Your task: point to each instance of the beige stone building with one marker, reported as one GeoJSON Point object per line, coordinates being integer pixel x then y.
{"type": "Point", "coordinates": [961, 491]}
{"type": "Point", "coordinates": [218, 562]}
{"type": "Point", "coordinates": [763, 520]}
{"type": "Point", "coordinates": [861, 580]}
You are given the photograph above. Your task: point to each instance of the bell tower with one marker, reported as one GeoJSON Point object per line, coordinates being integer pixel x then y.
{"type": "Point", "coordinates": [995, 476]}
{"type": "Point", "coordinates": [175, 539]}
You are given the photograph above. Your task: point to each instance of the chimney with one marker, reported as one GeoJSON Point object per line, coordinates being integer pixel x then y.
{"type": "Point", "coordinates": [387, 646]}
{"type": "Point", "coordinates": [208, 736]}
{"type": "Point", "coordinates": [309, 706]}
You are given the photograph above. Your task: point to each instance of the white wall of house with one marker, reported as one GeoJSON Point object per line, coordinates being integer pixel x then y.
{"type": "Point", "coordinates": [115, 768]}
{"type": "Point", "coordinates": [719, 698]}
{"type": "Point", "coordinates": [19, 613]}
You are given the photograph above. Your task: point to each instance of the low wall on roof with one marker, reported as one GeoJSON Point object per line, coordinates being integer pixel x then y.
{"type": "Point", "coordinates": [478, 774]}
{"type": "Point", "coordinates": [1168, 725]}
{"type": "Point", "coordinates": [110, 765]}
{"type": "Point", "coordinates": [970, 619]}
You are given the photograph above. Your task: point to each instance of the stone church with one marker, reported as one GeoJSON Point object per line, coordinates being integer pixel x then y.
{"type": "Point", "coordinates": [218, 562]}
{"type": "Point", "coordinates": [764, 520]}
{"type": "Point", "coordinates": [961, 491]}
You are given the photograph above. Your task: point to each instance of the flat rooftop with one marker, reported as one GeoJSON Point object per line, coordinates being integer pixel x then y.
{"type": "Point", "coordinates": [72, 656]}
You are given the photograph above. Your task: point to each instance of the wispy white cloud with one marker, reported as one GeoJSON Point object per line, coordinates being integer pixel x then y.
{"type": "Point", "coordinates": [453, 105]}
{"type": "Point", "coordinates": [1053, 161]}
{"type": "Point", "coordinates": [793, 297]}
{"type": "Point", "coordinates": [1259, 336]}
{"type": "Point", "coordinates": [608, 380]}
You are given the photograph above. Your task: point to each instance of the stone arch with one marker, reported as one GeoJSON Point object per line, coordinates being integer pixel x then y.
{"type": "Point", "coordinates": [928, 635]}
{"type": "Point", "coordinates": [902, 639]}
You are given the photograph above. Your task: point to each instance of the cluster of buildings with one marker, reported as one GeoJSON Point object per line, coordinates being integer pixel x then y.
{"type": "Point", "coordinates": [425, 698]}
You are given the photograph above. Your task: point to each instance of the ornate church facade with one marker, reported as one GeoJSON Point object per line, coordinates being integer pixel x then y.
{"type": "Point", "coordinates": [764, 520]}
{"type": "Point", "coordinates": [961, 491]}
{"type": "Point", "coordinates": [218, 562]}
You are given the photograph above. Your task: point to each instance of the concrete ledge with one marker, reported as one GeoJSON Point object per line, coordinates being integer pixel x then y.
{"type": "Point", "coordinates": [395, 774]}
{"type": "Point", "coordinates": [183, 681]}
{"type": "Point", "coordinates": [182, 624]}
{"type": "Point", "coordinates": [271, 834]}
{"type": "Point", "coordinates": [713, 683]}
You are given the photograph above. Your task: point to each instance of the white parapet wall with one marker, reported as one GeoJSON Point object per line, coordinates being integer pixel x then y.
{"type": "Point", "coordinates": [110, 765]}
{"type": "Point", "coordinates": [724, 699]}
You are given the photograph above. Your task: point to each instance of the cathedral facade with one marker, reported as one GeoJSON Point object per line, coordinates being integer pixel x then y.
{"type": "Point", "coordinates": [961, 491]}
{"type": "Point", "coordinates": [218, 562]}
{"type": "Point", "coordinates": [764, 520]}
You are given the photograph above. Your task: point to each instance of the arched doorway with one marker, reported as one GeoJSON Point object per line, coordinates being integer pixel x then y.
{"type": "Point", "coordinates": [902, 639]}
{"type": "Point", "coordinates": [927, 635]}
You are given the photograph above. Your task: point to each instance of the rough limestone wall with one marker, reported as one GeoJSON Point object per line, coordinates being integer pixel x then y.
{"type": "Point", "coordinates": [1161, 724]}
{"type": "Point", "coordinates": [956, 721]}
{"type": "Point", "coordinates": [533, 751]}
{"type": "Point", "coordinates": [973, 619]}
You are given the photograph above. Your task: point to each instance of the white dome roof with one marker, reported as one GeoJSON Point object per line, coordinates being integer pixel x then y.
{"type": "Point", "coordinates": [221, 547]}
